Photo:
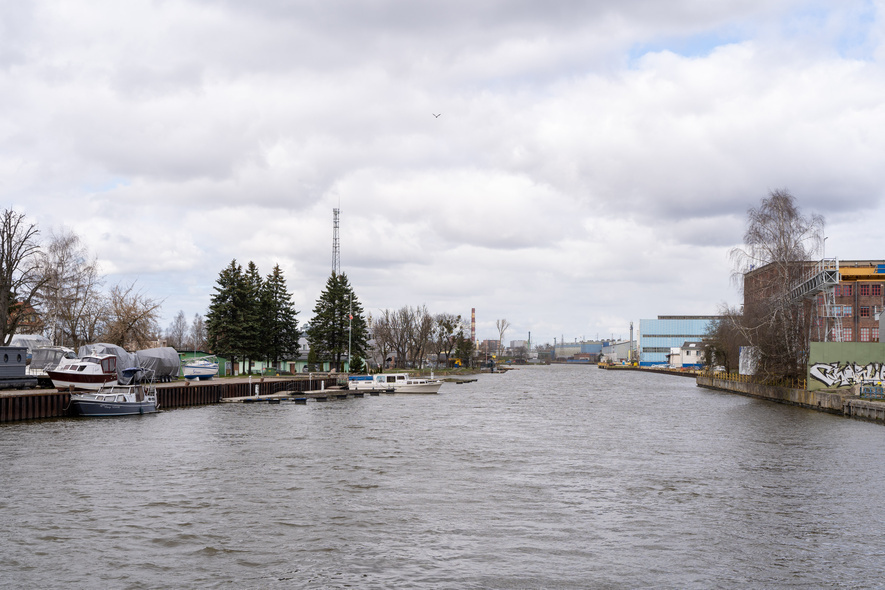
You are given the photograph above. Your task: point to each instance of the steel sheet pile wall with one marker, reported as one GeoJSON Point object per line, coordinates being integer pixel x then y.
{"type": "Point", "coordinates": [32, 406]}
{"type": "Point", "coordinates": [181, 396]}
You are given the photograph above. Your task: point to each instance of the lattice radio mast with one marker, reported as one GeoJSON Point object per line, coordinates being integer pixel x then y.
{"type": "Point", "coordinates": [336, 249]}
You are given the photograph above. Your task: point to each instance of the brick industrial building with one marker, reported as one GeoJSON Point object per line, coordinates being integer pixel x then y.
{"type": "Point", "coordinates": [844, 297]}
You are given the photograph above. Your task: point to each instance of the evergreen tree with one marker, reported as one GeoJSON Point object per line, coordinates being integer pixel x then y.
{"type": "Point", "coordinates": [332, 328]}
{"type": "Point", "coordinates": [252, 333]}
{"type": "Point", "coordinates": [279, 327]}
{"type": "Point", "coordinates": [464, 349]}
{"type": "Point", "coordinates": [225, 323]}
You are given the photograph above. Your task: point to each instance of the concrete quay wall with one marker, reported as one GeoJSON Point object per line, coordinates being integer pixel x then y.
{"type": "Point", "coordinates": [845, 404]}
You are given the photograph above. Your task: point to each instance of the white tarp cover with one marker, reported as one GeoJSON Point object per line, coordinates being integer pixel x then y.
{"type": "Point", "coordinates": [164, 361]}
{"type": "Point", "coordinates": [29, 341]}
{"type": "Point", "coordinates": [48, 357]}
{"type": "Point", "coordinates": [125, 359]}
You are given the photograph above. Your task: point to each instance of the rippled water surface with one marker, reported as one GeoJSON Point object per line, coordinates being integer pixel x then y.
{"type": "Point", "coordinates": [544, 477]}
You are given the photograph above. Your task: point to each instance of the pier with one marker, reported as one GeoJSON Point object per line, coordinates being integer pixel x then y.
{"type": "Point", "coordinates": [34, 404]}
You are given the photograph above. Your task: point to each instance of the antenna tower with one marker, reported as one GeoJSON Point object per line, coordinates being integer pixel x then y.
{"type": "Point", "coordinates": [336, 249]}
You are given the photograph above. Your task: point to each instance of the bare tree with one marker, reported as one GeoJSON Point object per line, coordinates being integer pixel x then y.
{"type": "Point", "coordinates": [132, 317]}
{"type": "Point", "coordinates": [444, 335]}
{"type": "Point", "coordinates": [503, 325]}
{"type": "Point", "coordinates": [177, 332]}
{"type": "Point", "coordinates": [380, 329]}
{"type": "Point", "coordinates": [725, 337]}
{"type": "Point", "coordinates": [198, 335]}
{"type": "Point", "coordinates": [21, 272]}
{"type": "Point", "coordinates": [778, 245]}
{"type": "Point", "coordinates": [401, 324]}
{"type": "Point", "coordinates": [420, 335]}
{"type": "Point", "coordinates": [71, 298]}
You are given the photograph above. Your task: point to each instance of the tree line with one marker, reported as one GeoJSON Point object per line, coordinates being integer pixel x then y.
{"type": "Point", "coordinates": [252, 318]}
{"type": "Point", "coordinates": [60, 281]}
{"type": "Point", "coordinates": [408, 335]}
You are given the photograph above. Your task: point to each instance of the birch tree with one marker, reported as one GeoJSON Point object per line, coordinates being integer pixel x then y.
{"type": "Point", "coordinates": [778, 244]}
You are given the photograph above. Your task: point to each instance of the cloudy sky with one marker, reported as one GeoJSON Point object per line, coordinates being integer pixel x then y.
{"type": "Point", "coordinates": [592, 163]}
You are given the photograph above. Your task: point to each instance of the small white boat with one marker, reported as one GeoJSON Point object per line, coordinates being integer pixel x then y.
{"type": "Point", "coordinates": [202, 368]}
{"type": "Point", "coordinates": [131, 398]}
{"type": "Point", "coordinates": [395, 382]}
{"type": "Point", "coordinates": [89, 372]}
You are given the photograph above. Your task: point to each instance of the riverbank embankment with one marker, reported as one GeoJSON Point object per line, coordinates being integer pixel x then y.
{"type": "Point", "coordinates": [52, 403]}
{"type": "Point", "coordinates": [842, 402]}
{"type": "Point", "coordinates": [658, 370]}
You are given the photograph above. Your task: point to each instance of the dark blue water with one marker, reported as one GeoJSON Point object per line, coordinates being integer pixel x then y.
{"type": "Point", "coordinates": [547, 477]}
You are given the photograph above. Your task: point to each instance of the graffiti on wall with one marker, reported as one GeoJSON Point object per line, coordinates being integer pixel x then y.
{"type": "Point", "coordinates": [839, 375]}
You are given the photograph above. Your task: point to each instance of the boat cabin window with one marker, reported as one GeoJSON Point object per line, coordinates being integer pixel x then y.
{"type": "Point", "coordinates": [120, 398]}
{"type": "Point", "coordinates": [81, 367]}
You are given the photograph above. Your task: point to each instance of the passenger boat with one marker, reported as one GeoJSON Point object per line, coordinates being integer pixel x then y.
{"type": "Point", "coordinates": [202, 368]}
{"type": "Point", "coordinates": [89, 372]}
{"type": "Point", "coordinates": [394, 382]}
{"type": "Point", "coordinates": [131, 397]}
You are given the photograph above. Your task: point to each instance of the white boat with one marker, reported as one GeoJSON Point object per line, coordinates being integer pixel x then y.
{"type": "Point", "coordinates": [395, 382]}
{"type": "Point", "coordinates": [89, 372]}
{"type": "Point", "coordinates": [201, 368]}
{"type": "Point", "coordinates": [129, 398]}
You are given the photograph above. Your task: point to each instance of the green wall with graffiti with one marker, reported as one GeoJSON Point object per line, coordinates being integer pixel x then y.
{"type": "Point", "coordinates": [838, 365]}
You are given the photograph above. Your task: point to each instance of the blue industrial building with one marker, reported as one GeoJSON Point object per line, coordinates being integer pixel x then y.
{"type": "Point", "coordinates": [657, 337]}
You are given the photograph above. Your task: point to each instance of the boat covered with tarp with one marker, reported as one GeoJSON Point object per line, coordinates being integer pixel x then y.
{"type": "Point", "coordinates": [47, 358]}
{"type": "Point", "coordinates": [164, 362]}
{"type": "Point", "coordinates": [29, 341]}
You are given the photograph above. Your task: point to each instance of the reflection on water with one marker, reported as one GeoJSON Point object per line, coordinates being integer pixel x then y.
{"type": "Point", "coordinates": [565, 476]}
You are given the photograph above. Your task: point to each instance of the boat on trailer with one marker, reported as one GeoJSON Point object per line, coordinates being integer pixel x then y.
{"type": "Point", "coordinates": [394, 382]}
{"type": "Point", "coordinates": [129, 396]}
{"type": "Point", "coordinates": [202, 368]}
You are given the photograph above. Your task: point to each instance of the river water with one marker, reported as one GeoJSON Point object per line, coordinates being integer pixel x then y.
{"type": "Point", "coordinates": [543, 477]}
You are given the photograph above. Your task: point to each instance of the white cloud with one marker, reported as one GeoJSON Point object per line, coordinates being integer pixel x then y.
{"type": "Point", "coordinates": [592, 163]}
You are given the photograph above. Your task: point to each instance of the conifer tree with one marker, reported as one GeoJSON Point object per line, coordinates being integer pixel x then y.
{"type": "Point", "coordinates": [225, 321]}
{"type": "Point", "coordinates": [332, 329]}
{"type": "Point", "coordinates": [252, 336]}
{"type": "Point", "coordinates": [279, 331]}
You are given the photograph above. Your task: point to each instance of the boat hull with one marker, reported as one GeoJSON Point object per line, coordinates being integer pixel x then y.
{"type": "Point", "coordinates": [66, 380]}
{"type": "Point", "coordinates": [201, 372]}
{"type": "Point", "coordinates": [430, 387]}
{"type": "Point", "coordinates": [102, 408]}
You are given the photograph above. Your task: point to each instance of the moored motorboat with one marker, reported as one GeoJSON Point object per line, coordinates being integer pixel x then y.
{"type": "Point", "coordinates": [396, 382]}
{"type": "Point", "coordinates": [130, 397]}
{"type": "Point", "coordinates": [89, 372]}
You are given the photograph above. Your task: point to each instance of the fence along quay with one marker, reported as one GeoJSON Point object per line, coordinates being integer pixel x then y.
{"type": "Point", "coordinates": [20, 405]}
